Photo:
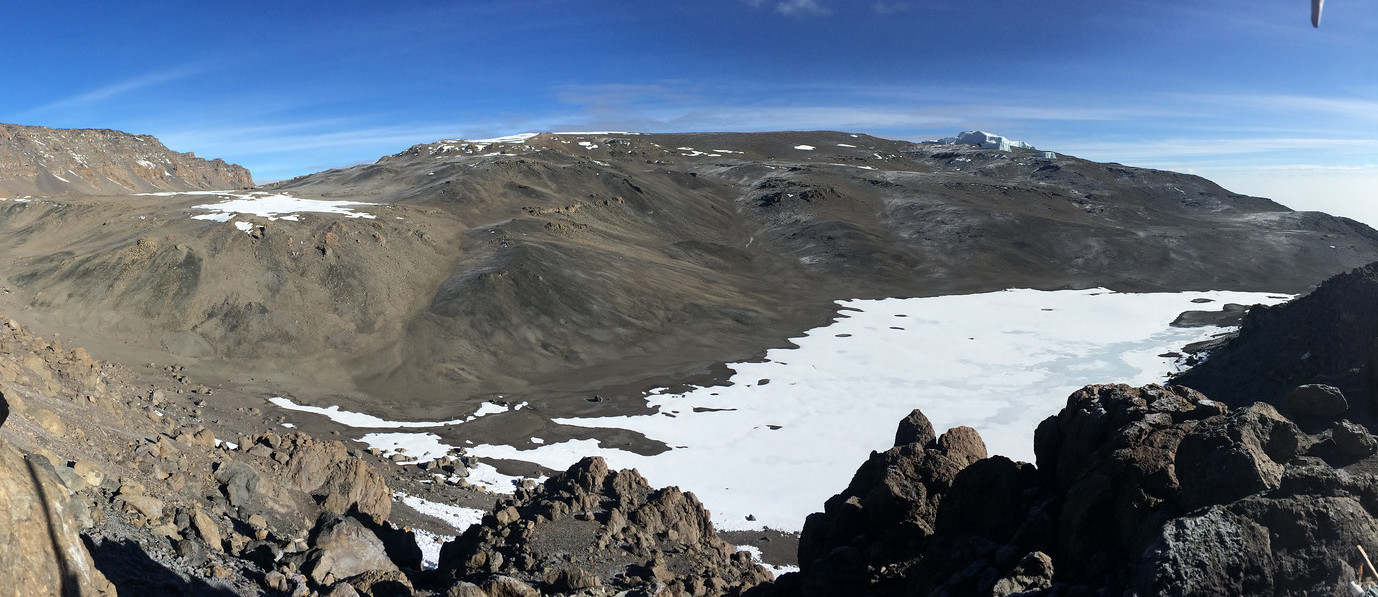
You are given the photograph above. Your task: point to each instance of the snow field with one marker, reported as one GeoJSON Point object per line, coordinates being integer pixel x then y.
{"type": "Point", "coordinates": [786, 433]}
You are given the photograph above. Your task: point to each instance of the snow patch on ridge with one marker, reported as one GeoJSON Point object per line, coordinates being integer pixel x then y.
{"type": "Point", "coordinates": [517, 138]}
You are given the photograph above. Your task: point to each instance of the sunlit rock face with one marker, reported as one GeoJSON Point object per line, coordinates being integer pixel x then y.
{"type": "Point", "coordinates": [36, 160]}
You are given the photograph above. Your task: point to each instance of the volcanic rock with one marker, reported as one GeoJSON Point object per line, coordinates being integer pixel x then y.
{"type": "Point", "coordinates": [343, 548]}
{"type": "Point", "coordinates": [326, 469]}
{"type": "Point", "coordinates": [1353, 440]}
{"type": "Point", "coordinates": [1326, 337]}
{"type": "Point", "coordinates": [644, 535]}
{"type": "Point", "coordinates": [1316, 400]}
{"type": "Point", "coordinates": [890, 508]}
{"type": "Point", "coordinates": [238, 481]}
{"type": "Point", "coordinates": [914, 429]}
{"type": "Point", "coordinates": [1148, 491]}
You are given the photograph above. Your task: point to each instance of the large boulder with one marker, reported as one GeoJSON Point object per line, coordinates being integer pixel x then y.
{"type": "Point", "coordinates": [663, 539]}
{"type": "Point", "coordinates": [325, 469]}
{"type": "Point", "coordinates": [1228, 458]}
{"type": "Point", "coordinates": [1316, 400]}
{"type": "Point", "coordinates": [344, 548]}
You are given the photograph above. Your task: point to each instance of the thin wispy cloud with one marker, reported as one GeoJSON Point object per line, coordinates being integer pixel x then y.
{"type": "Point", "coordinates": [792, 8]}
{"type": "Point", "coordinates": [1353, 109]}
{"type": "Point", "coordinates": [1156, 149]}
{"type": "Point", "coordinates": [801, 7]}
{"type": "Point", "coordinates": [111, 91]}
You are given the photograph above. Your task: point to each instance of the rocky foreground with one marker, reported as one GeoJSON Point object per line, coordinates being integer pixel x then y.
{"type": "Point", "coordinates": [111, 488]}
{"type": "Point", "coordinates": [1139, 491]}
{"type": "Point", "coordinates": [107, 487]}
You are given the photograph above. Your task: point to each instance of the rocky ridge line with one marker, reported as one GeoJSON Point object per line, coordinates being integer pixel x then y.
{"type": "Point", "coordinates": [40, 161]}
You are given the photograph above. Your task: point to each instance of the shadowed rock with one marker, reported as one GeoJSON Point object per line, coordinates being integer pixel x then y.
{"type": "Point", "coordinates": [653, 537]}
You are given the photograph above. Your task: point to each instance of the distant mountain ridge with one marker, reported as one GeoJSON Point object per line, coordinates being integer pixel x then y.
{"type": "Point", "coordinates": [579, 263]}
{"type": "Point", "coordinates": [42, 161]}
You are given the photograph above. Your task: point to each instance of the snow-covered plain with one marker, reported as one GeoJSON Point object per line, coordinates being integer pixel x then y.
{"type": "Point", "coordinates": [276, 205]}
{"type": "Point", "coordinates": [786, 433]}
{"type": "Point", "coordinates": [273, 206]}
{"type": "Point", "coordinates": [789, 431]}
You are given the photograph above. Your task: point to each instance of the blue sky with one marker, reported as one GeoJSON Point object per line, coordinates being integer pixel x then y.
{"type": "Point", "coordinates": [1245, 93]}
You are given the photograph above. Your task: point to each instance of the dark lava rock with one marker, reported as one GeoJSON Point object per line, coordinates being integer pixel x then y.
{"type": "Point", "coordinates": [1325, 337]}
{"type": "Point", "coordinates": [1139, 491]}
{"type": "Point", "coordinates": [890, 509]}
{"type": "Point", "coordinates": [914, 429]}
{"type": "Point", "coordinates": [1353, 440]}
{"type": "Point", "coordinates": [1316, 400]}
{"type": "Point", "coordinates": [636, 537]}
{"type": "Point", "coordinates": [1228, 316]}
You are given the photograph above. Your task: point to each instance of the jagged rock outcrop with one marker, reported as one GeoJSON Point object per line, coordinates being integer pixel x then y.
{"type": "Point", "coordinates": [344, 548]}
{"type": "Point", "coordinates": [36, 160]}
{"type": "Point", "coordinates": [590, 527]}
{"type": "Point", "coordinates": [889, 511]}
{"type": "Point", "coordinates": [40, 547]}
{"type": "Point", "coordinates": [1139, 491]}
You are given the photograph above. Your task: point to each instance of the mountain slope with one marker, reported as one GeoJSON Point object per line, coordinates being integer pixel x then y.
{"type": "Point", "coordinates": [556, 266]}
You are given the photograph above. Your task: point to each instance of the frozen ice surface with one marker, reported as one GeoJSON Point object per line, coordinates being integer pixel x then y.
{"type": "Point", "coordinates": [1000, 362]}
{"type": "Point", "coordinates": [788, 432]}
